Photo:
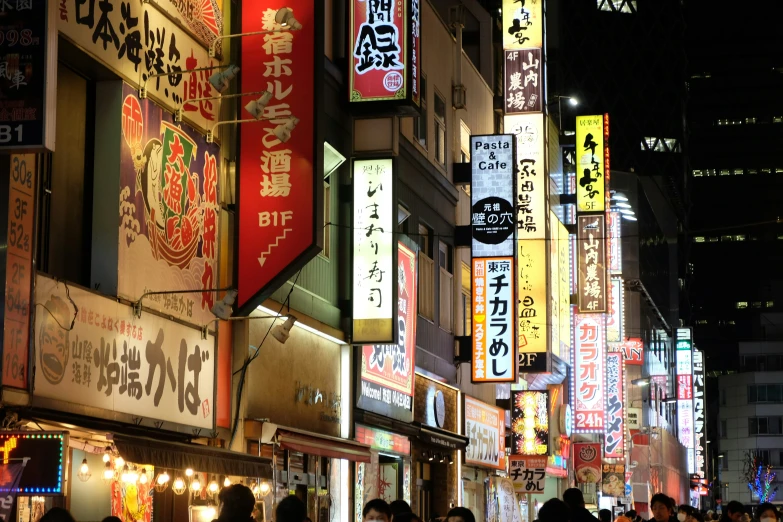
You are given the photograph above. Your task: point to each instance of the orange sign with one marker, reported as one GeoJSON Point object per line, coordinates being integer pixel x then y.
{"type": "Point", "coordinates": [19, 268]}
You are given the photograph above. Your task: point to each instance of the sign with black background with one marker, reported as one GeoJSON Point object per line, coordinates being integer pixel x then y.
{"type": "Point", "coordinates": [43, 474]}
{"type": "Point", "coordinates": [23, 74]}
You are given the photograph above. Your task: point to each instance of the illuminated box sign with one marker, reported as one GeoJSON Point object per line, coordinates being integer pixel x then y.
{"type": "Point", "coordinates": [587, 462]}
{"type": "Point", "coordinates": [43, 474]}
{"type": "Point", "coordinates": [633, 351]}
{"type": "Point", "coordinates": [613, 480]}
{"type": "Point", "coordinates": [383, 440]}
{"type": "Point", "coordinates": [684, 390]}
{"type": "Point", "coordinates": [615, 319]}
{"type": "Point", "coordinates": [530, 422]}
{"type": "Point", "coordinates": [280, 183]}
{"type": "Point", "coordinates": [614, 244]}
{"type": "Point", "coordinates": [590, 164]}
{"type": "Point", "coordinates": [554, 285]}
{"type": "Point", "coordinates": [374, 208]}
{"type": "Point", "coordinates": [614, 437]}
{"type": "Point", "coordinates": [564, 299]}
{"type": "Point", "coordinates": [532, 294]}
{"type": "Point", "coordinates": [523, 85]}
{"type": "Point", "coordinates": [699, 415]}
{"type": "Point", "coordinates": [522, 23]}
{"type": "Point", "coordinates": [385, 43]}
{"type": "Point", "coordinates": [492, 195]}
{"type": "Point", "coordinates": [528, 474]}
{"type": "Point", "coordinates": [485, 427]}
{"type": "Point", "coordinates": [494, 353]}
{"type": "Point", "coordinates": [531, 187]}
{"type": "Point", "coordinates": [591, 256]}
{"type": "Point", "coordinates": [387, 370]}
{"type": "Point", "coordinates": [588, 381]}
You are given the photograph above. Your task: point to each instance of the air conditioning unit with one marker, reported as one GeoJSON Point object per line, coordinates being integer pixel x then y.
{"type": "Point", "coordinates": [459, 97]}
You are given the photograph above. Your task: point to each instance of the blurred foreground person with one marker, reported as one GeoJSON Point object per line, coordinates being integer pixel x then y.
{"type": "Point", "coordinates": [57, 514]}
{"type": "Point", "coordinates": [555, 510]}
{"type": "Point", "coordinates": [576, 503]}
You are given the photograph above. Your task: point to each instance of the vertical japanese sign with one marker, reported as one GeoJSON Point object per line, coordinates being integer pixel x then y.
{"type": "Point", "coordinates": [485, 426]}
{"type": "Point", "coordinates": [387, 371]}
{"type": "Point", "coordinates": [492, 195]}
{"type": "Point", "coordinates": [587, 462]}
{"type": "Point", "coordinates": [564, 290]}
{"type": "Point", "coordinates": [554, 285]}
{"type": "Point", "coordinates": [633, 351]}
{"type": "Point", "coordinates": [528, 474]}
{"type": "Point", "coordinates": [280, 183]}
{"type": "Point", "coordinates": [19, 270]}
{"type": "Point", "coordinates": [684, 389]}
{"type": "Point", "coordinates": [590, 164]}
{"type": "Point", "coordinates": [523, 24]}
{"type": "Point", "coordinates": [523, 81]}
{"type": "Point", "coordinates": [588, 381]}
{"type": "Point", "coordinates": [614, 244]}
{"type": "Point", "coordinates": [614, 436]}
{"type": "Point", "coordinates": [169, 209]}
{"type": "Point", "coordinates": [148, 367]}
{"type": "Point", "coordinates": [591, 256]}
{"type": "Point", "coordinates": [373, 251]}
{"type": "Point", "coordinates": [531, 212]}
{"type": "Point", "coordinates": [494, 355]}
{"type": "Point", "coordinates": [28, 68]}
{"type": "Point", "coordinates": [615, 319]}
{"type": "Point", "coordinates": [385, 45]}
{"type": "Point", "coordinates": [699, 418]}
{"type": "Point", "coordinates": [137, 41]}
{"type": "Point", "coordinates": [530, 423]}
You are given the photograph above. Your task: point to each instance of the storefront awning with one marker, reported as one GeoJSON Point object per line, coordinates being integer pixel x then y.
{"type": "Point", "coordinates": [176, 455]}
{"type": "Point", "coordinates": [307, 442]}
{"type": "Point", "coordinates": [442, 438]}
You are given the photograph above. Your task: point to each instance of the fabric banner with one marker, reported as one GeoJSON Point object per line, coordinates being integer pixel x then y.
{"type": "Point", "coordinates": [10, 475]}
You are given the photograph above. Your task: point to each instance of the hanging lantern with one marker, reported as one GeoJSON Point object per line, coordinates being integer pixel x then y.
{"type": "Point", "coordinates": [108, 473]}
{"type": "Point", "coordinates": [84, 472]}
{"type": "Point", "coordinates": [162, 482]}
{"type": "Point", "coordinates": [178, 487]}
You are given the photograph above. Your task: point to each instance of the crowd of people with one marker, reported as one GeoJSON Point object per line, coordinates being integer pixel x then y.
{"type": "Point", "coordinates": [238, 504]}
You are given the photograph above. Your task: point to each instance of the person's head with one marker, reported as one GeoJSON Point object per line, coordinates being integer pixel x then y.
{"type": "Point", "coordinates": [236, 502]}
{"type": "Point", "coordinates": [662, 507]}
{"type": "Point", "coordinates": [460, 514]}
{"type": "Point", "coordinates": [696, 516]}
{"type": "Point", "coordinates": [683, 512]}
{"type": "Point", "coordinates": [734, 511]}
{"type": "Point", "coordinates": [573, 498]}
{"type": "Point", "coordinates": [291, 509]}
{"type": "Point", "coordinates": [376, 510]}
{"type": "Point", "coordinates": [555, 510]}
{"type": "Point", "coordinates": [605, 515]}
{"type": "Point", "coordinates": [398, 507]}
{"type": "Point", "coordinates": [767, 512]}
{"type": "Point", "coordinates": [111, 519]}
{"type": "Point", "coordinates": [631, 514]}
{"type": "Point", "coordinates": [57, 514]}
{"type": "Point", "coordinates": [406, 517]}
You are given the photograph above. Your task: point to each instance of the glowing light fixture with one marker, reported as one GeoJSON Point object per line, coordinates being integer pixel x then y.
{"type": "Point", "coordinates": [84, 471]}
{"type": "Point", "coordinates": [143, 476]}
{"type": "Point", "coordinates": [226, 482]}
{"type": "Point", "coordinates": [213, 486]}
{"type": "Point", "coordinates": [195, 485]}
{"type": "Point", "coordinates": [264, 488]}
{"type": "Point", "coordinates": [178, 487]}
{"type": "Point", "coordinates": [108, 473]}
{"type": "Point", "coordinates": [188, 472]}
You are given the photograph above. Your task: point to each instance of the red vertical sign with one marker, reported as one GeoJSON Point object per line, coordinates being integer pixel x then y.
{"type": "Point", "coordinates": [280, 182]}
{"type": "Point", "coordinates": [19, 270]}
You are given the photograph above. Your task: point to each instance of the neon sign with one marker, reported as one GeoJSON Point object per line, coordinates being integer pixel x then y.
{"type": "Point", "coordinates": [44, 473]}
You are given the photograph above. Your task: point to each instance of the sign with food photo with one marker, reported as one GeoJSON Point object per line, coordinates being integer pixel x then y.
{"type": "Point", "coordinates": [587, 463]}
{"type": "Point", "coordinates": [613, 480]}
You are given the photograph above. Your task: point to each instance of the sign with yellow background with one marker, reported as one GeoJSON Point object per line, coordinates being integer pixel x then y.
{"type": "Point", "coordinates": [590, 165]}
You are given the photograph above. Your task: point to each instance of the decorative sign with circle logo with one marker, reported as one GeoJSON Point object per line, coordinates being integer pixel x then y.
{"type": "Point", "coordinates": [587, 463]}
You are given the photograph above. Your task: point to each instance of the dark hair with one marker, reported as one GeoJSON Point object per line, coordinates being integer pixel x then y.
{"type": "Point", "coordinates": [697, 515]}
{"type": "Point", "coordinates": [238, 502]}
{"type": "Point", "coordinates": [735, 507]}
{"type": "Point", "coordinates": [663, 499]}
{"type": "Point", "coordinates": [766, 506]}
{"type": "Point", "coordinates": [398, 507]}
{"type": "Point", "coordinates": [605, 515]}
{"type": "Point", "coordinates": [291, 509]}
{"type": "Point", "coordinates": [407, 517]}
{"type": "Point", "coordinates": [379, 505]}
{"type": "Point", "coordinates": [685, 508]}
{"type": "Point", "coordinates": [111, 519]}
{"type": "Point", "coordinates": [555, 510]}
{"type": "Point", "coordinates": [573, 498]}
{"type": "Point", "coordinates": [57, 514]}
{"type": "Point", "coordinates": [631, 514]}
{"type": "Point", "coordinates": [463, 512]}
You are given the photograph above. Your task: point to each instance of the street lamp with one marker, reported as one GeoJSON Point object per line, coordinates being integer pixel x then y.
{"type": "Point", "coordinates": [572, 101]}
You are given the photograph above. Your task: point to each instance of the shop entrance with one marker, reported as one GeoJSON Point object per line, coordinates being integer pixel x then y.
{"type": "Point", "coordinates": [390, 477]}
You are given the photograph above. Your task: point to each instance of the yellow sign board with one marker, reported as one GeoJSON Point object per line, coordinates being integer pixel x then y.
{"type": "Point", "coordinates": [590, 164]}
{"type": "Point", "coordinates": [564, 288]}
{"type": "Point", "coordinates": [532, 295]}
{"type": "Point", "coordinates": [523, 24]}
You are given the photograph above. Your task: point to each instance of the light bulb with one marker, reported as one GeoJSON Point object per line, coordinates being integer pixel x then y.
{"type": "Point", "coordinates": [264, 488]}
{"type": "Point", "coordinates": [84, 469]}
{"type": "Point", "coordinates": [195, 485]}
{"type": "Point", "coordinates": [143, 476]}
{"type": "Point", "coordinates": [226, 482]}
{"type": "Point", "coordinates": [163, 478]}
{"type": "Point", "coordinates": [108, 473]}
{"type": "Point", "coordinates": [213, 487]}
{"type": "Point", "coordinates": [119, 463]}
{"type": "Point", "coordinates": [210, 513]}
{"type": "Point", "coordinates": [188, 472]}
{"type": "Point", "coordinates": [179, 483]}
{"type": "Point", "coordinates": [106, 457]}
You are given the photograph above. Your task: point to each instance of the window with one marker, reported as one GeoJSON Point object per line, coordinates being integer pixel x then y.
{"type": "Point", "coordinates": [420, 122]}
{"type": "Point", "coordinates": [753, 171]}
{"type": "Point", "coordinates": [756, 304]}
{"type": "Point", "coordinates": [764, 425]}
{"type": "Point", "coordinates": [698, 239]}
{"type": "Point", "coordinates": [446, 284]}
{"type": "Point", "coordinates": [738, 172]}
{"type": "Point", "coordinates": [741, 305]}
{"type": "Point", "coordinates": [770, 304]}
{"type": "Point", "coordinates": [698, 173]}
{"type": "Point", "coordinates": [723, 397]}
{"type": "Point", "coordinates": [766, 392]}
{"type": "Point", "coordinates": [464, 142]}
{"type": "Point", "coordinates": [617, 6]}
{"type": "Point", "coordinates": [426, 274]}
{"type": "Point", "coordinates": [425, 240]}
{"type": "Point", "coordinates": [440, 129]}
{"type": "Point", "coordinates": [763, 455]}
